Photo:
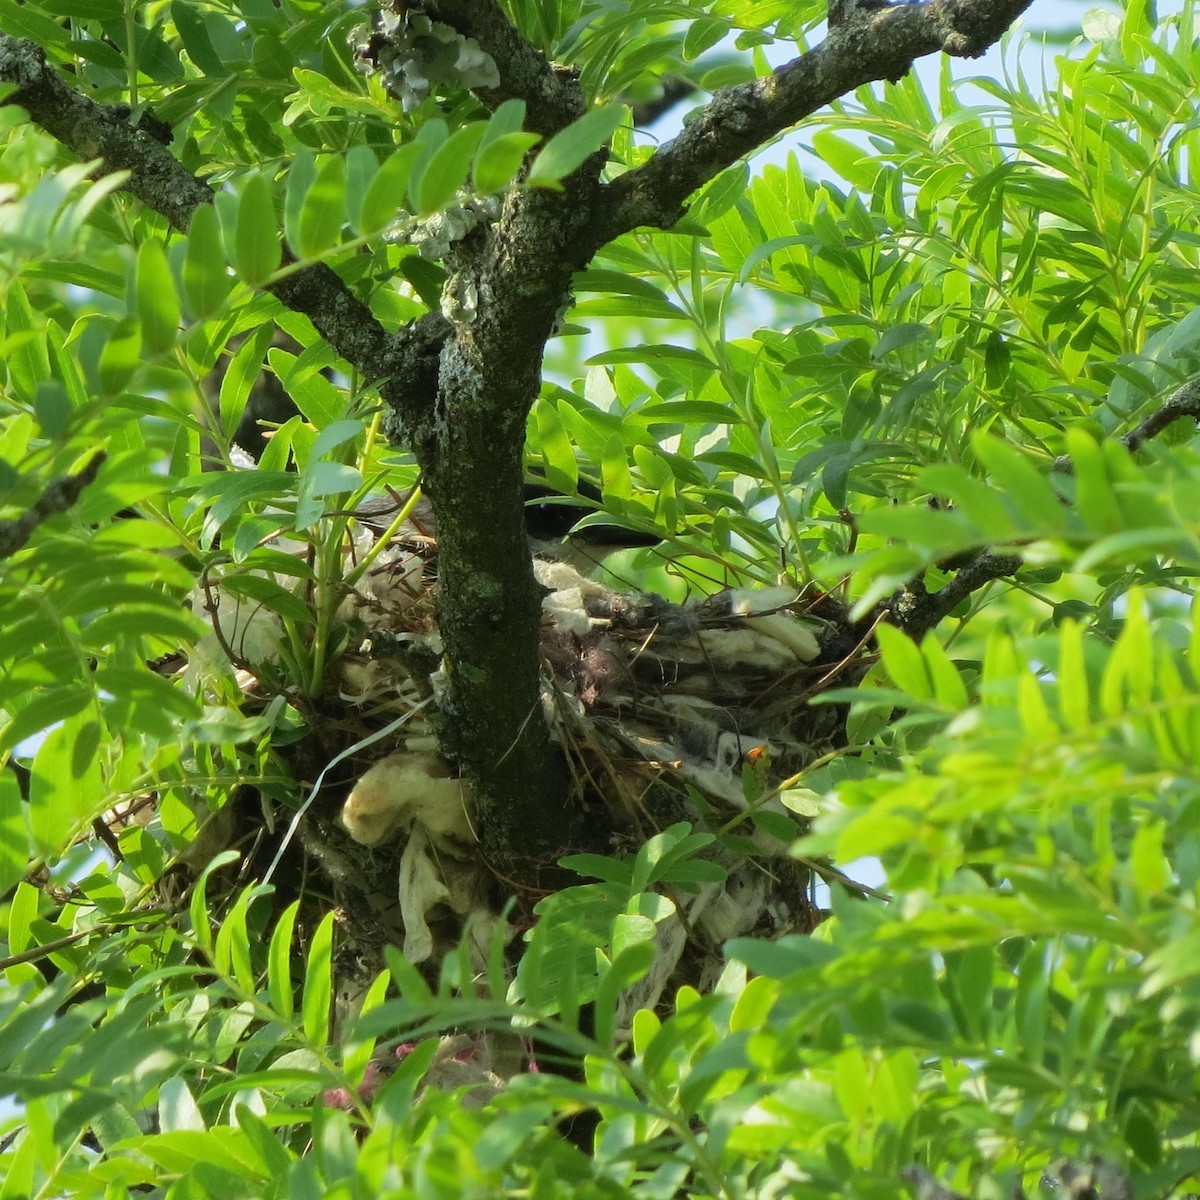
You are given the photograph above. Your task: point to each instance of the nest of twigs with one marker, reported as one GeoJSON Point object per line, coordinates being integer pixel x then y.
{"type": "Point", "coordinates": [665, 712]}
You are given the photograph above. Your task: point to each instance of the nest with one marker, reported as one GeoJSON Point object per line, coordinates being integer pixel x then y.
{"type": "Point", "coordinates": [665, 712]}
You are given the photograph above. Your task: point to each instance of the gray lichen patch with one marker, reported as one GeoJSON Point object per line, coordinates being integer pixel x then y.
{"type": "Point", "coordinates": [414, 56]}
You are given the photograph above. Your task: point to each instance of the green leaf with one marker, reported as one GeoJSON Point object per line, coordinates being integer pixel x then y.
{"type": "Point", "coordinates": [256, 241]}
{"type": "Point", "coordinates": [206, 278]}
{"type": "Point", "coordinates": [231, 952]}
{"type": "Point", "coordinates": [562, 471]}
{"type": "Point", "coordinates": [318, 984]}
{"type": "Point", "coordinates": [570, 148]}
{"type": "Point", "coordinates": [361, 168]}
{"type": "Point", "coordinates": [502, 148]}
{"type": "Point", "coordinates": [96, 10]}
{"type": "Point", "coordinates": [14, 833]}
{"type": "Point", "coordinates": [970, 974]}
{"type": "Point", "coordinates": [387, 192]}
{"type": "Point", "coordinates": [778, 960]}
{"type": "Point", "coordinates": [1024, 485]}
{"type": "Point", "coordinates": [121, 357]}
{"type": "Point", "coordinates": [898, 336]}
{"type": "Point", "coordinates": [617, 481]}
{"type": "Point", "coordinates": [198, 905]}
{"type": "Point", "coordinates": [948, 688]}
{"type": "Point", "coordinates": [1149, 865]}
{"type": "Point", "coordinates": [676, 412]}
{"type": "Point", "coordinates": [66, 790]}
{"type": "Point", "coordinates": [275, 1159]}
{"type": "Point", "coordinates": [446, 170]}
{"type": "Point", "coordinates": [1094, 494]}
{"type": "Point", "coordinates": [196, 40]}
{"type": "Point", "coordinates": [1073, 692]}
{"type": "Point", "coordinates": [854, 162]}
{"type": "Point", "coordinates": [157, 304]}
{"type": "Point", "coordinates": [240, 377]}
{"type": "Point", "coordinates": [230, 491]}
{"type": "Point", "coordinates": [52, 407]}
{"type": "Point", "coordinates": [27, 361]}
{"type": "Point", "coordinates": [702, 35]}
{"type": "Point", "coordinates": [39, 712]}
{"type": "Point", "coordinates": [268, 593]}
{"type": "Point", "coordinates": [904, 662]}
{"type": "Point", "coordinates": [321, 479]}
{"type": "Point", "coordinates": [321, 215]}
{"type": "Point", "coordinates": [1172, 964]}
{"type": "Point", "coordinates": [498, 162]}
{"type": "Point", "coordinates": [508, 118]}
{"type": "Point", "coordinates": [426, 277]}
{"type": "Point", "coordinates": [300, 177]}
{"type": "Point", "coordinates": [320, 402]}
{"type": "Point", "coordinates": [430, 137]}
{"type": "Point", "coordinates": [630, 965]}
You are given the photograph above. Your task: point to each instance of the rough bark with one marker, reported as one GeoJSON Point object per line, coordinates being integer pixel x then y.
{"type": "Point", "coordinates": [471, 449]}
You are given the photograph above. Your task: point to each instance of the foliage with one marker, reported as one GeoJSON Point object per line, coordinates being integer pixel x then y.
{"type": "Point", "coordinates": [982, 303]}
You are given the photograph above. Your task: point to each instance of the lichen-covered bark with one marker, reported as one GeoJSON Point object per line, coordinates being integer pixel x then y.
{"type": "Point", "coordinates": [471, 449]}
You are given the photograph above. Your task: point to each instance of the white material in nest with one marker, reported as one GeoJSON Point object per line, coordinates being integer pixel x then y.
{"type": "Point", "coordinates": [715, 781]}
{"type": "Point", "coordinates": [735, 907]}
{"type": "Point", "coordinates": [670, 940]}
{"type": "Point", "coordinates": [566, 606]}
{"type": "Point", "coordinates": [426, 881]}
{"type": "Point", "coordinates": [405, 789]}
{"type": "Point", "coordinates": [752, 602]}
{"type": "Point", "coordinates": [421, 890]}
{"type": "Point", "coordinates": [251, 631]}
{"type": "Point", "coordinates": [391, 585]}
{"type": "Point", "coordinates": [798, 637]}
{"type": "Point", "coordinates": [377, 682]}
{"type": "Point", "coordinates": [566, 610]}
{"type": "Point", "coordinates": [562, 577]}
{"type": "Point", "coordinates": [752, 647]}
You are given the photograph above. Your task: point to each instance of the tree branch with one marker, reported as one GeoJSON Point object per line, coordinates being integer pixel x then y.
{"type": "Point", "coordinates": [917, 611]}
{"type": "Point", "coordinates": [95, 131]}
{"type": "Point", "coordinates": [674, 89]}
{"type": "Point", "coordinates": [553, 97]}
{"type": "Point", "coordinates": [461, 394]}
{"type": "Point", "coordinates": [865, 46]}
{"type": "Point", "coordinates": [60, 495]}
{"type": "Point", "coordinates": [1184, 402]}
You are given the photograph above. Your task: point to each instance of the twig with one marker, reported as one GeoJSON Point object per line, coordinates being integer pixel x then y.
{"type": "Point", "coordinates": [60, 495]}
{"type": "Point", "coordinates": [44, 949]}
{"type": "Point", "coordinates": [831, 874]}
{"type": "Point", "coordinates": [916, 611]}
{"type": "Point", "coordinates": [1184, 402]}
{"type": "Point", "coordinates": [674, 89]}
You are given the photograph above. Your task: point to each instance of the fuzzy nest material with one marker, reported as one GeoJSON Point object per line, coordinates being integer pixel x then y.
{"type": "Point", "coordinates": [664, 711]}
